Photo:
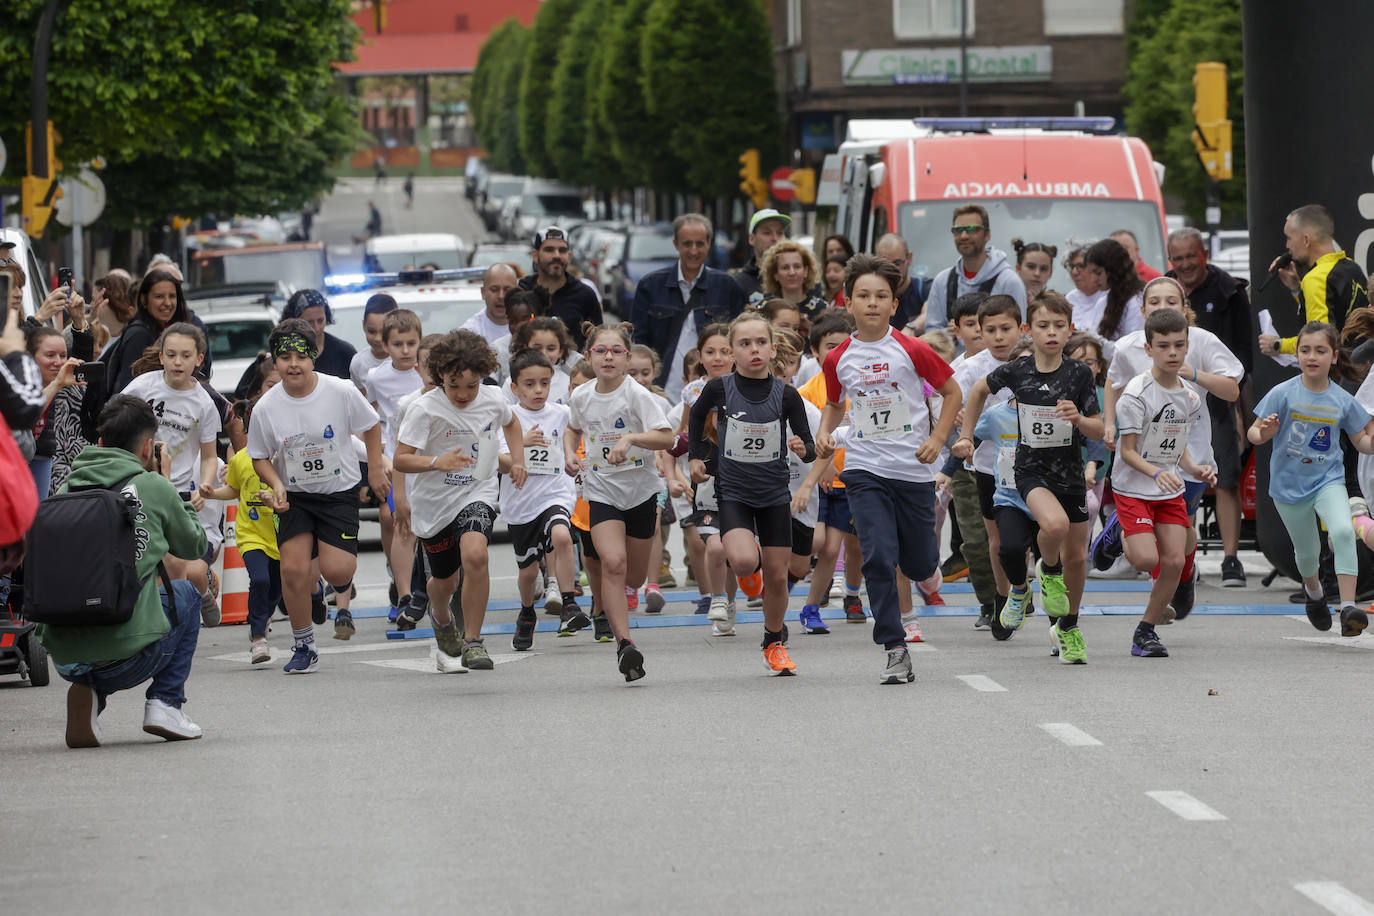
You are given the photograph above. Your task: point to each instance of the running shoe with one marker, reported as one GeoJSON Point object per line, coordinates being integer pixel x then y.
{"type": "Point", "coordinates": [653, 599]}
{"type": "Point", "coordinates": [811, 621]}
{"type": "Point", "coordinates": [854, 609]}
{"type": "Point", "coordinates": [630, 661]}
{"type": "Point", "coordinates": [408, 619]}
{"type": "Point", "coordinates": [1184, 596]}
{"type": "Point", "coordinates": [303, 660]}
{"type": "Point", "coordinates": [725, 627]}
{"type": "Point", "coordinates": [1054, 595]}
{"type": "Point", "coordinates": [1358, 507]}
{"type": "Point", "coordinates": [752, 584]}
{"type": "Point", "coordinates": [955, 568]}
{"type": "Point", "coordinates": [1319, 613]}
{"type": "Point", "coordinates": [343, 625]}
{"type": "Point", "coordinates": [1072, 649]}
{"type": "Point", "coordinates": [631, 599]}
{"type": "Point", "coordinates": [1014, 611]}
{"type": "Point", "coordinates": [930, 590]}
{"type": "Point", "coordinates": [259, 651]}
{"type": "Point", "coordinates": [717, 609]}
{"type": "Point", "coordinates": [601, 628]}
{"type": "Point", "coordinates": [911, 630]}
{"type": "Point", "coordinates": [210, 615]}
{"type": "Point", "coordinates": [476, 657]}
{"type": "Point", "coordinates": [1353, 621]}
{"type": "Point", "coordinates": [703, 605]}
{"type": "Point", "coordinates": [1145, 644]}
{"type": "Point", "coordinates": [837, 586]}
{"type": "Point", "coordinates": [754, 604]}
{"type": "Point", "coordinates": [1107, 545]}
{"type": "Point", "coordinates": [985, 615]}
{"type": "Point", "coordinates": [525, 623]}
{"type": "Point", "coordinates": [553, 601]}
{"type": "Point", "coordinates": [572, 620]}
{"type": "Point", "coordinates": [448, 650]}
{"type": "Point", "coordinates": [666, 579]}
{"type": "Point", "coordinates": [1232, 573]}
{"type": "Point", "coordinates": [898, 670]}
{"type": "Point", "coordinates": [778, 661]}
{"type": "Point", "coordinates": [392, 614]}
{"type": "Point", "coordinates": [319, 611]}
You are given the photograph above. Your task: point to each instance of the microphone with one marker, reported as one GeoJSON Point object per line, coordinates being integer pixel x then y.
{"type": "Point", "coordinates": [1284, 260]}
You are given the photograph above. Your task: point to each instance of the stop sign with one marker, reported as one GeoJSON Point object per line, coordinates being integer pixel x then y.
{"type": "Point", "coordinates": [780, 184]}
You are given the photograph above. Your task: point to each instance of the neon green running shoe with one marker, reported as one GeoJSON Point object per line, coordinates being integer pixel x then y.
{"type": "Point", "coordinates": [1014, 611]}
{"type": "Point", "coordinates": [1072, 649]}
{"type": "Point", "coordinates": [1053, 593]}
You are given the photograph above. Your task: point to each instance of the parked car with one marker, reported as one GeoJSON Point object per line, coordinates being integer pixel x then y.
{"type": "Point", "coordinates": [390, 253]}
{"type": "Point", "coordinates": [547, 203]}
{"type": "Point", "coordinates": [647, 248]}
{"type": "Point", "coordinates": [299, 265]}
{"type": "Point", "coordinates": [497, 189]}
{"type": "Point", "coordinates": [237, 297]}
{"type": "Point", "coordinates": [489, 253]}
{"type": "Point", "coordinates": [442, 302]}
{"type": "Point", "coordinates": [235, 339]}
{"type": "Point", "coordinates": [507, 217]}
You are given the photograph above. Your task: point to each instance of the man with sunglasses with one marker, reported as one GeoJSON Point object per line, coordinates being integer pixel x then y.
{"type": "Point", "coordinates": [980, 268]}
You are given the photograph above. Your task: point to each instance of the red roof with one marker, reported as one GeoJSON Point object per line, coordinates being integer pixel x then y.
{"type": "Point", "coordinates": [442, 52]}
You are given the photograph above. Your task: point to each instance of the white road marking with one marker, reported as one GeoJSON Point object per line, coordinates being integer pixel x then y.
{"type": "Point", "coordinates": [1363, 641]}
{"type": "Point", "coordinates": [1073, 737]}
{"type": "Point", "coordinates": [1333, 897]}
{"type": "Point", "coordinates": [1185, 806]}
{"type": "Point", "coordinates": [279, 652]}
{"type": "Point", "coordinates": [982, 683]}
{"type": "Point", "coordinates": [426, 665]}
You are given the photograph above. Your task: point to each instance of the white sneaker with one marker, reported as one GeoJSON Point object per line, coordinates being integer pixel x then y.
{"type": "Point", "coordinates": [837, 587]}
{"type": "Point", "coordinates": [719, 610]}
{"type": "Point", "coordinates": [447, 664]}
{"type": "Point", "coordinates": [553, 601]}
{"type": "Point", "coordinates": [1121, 568]}
{"type": "Point", "coordinates": [261, 652]}
{"type": "Point", "coordinates": [168, 722]}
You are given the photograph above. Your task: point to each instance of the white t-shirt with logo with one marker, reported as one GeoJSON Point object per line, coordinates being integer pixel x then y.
{"type": "Point", "coordinates": [798, 469]}
{"type": "Point", "coordinates": [309, 440]}
{"type": "Point", "coordinates": [603, 420]}
{"type": "Point", "coordinates": [966, 373]}
{"type": "Point", "coordinates": [433, 426]}
{"type": "Point", "coordinates": [1162, 419]}
{"type": "Point", "coordinates": [547, 483]}
{"type": "Point", "coordinates": [185, 420]}
{"type": "Point", "coordinates": [386, 385]}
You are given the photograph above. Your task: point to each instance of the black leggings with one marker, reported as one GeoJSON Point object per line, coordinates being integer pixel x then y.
{"type": "Point", "coordinates": [1017, 532]}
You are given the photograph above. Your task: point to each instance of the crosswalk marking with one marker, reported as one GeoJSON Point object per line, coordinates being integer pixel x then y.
{"type": "Point", "coordinates": [1073, 737]}
{"type": "Point", "coordinates": [1333, 897]}
{"type": "Point", "coordinates": [1186, 806]}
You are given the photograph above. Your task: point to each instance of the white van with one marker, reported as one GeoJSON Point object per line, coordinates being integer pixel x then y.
{"type": "Point", "coordinates": [415, 250]}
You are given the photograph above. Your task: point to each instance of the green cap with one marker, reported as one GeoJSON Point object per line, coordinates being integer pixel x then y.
{"type": "Point", "coordinates": [770, 213]}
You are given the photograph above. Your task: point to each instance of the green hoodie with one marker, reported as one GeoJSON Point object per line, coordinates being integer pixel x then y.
{"type": "Point", "coordinates": [165, 525]}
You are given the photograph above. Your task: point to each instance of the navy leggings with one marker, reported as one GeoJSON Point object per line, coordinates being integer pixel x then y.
{"type": "Point", "coordinates": [264, 589]}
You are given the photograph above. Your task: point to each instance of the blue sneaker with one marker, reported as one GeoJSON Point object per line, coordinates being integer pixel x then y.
{"type": "Point", "coordinates": [703, 604]}
{"type": "Point", "coordinates": [1107, 545]}
{"type": "Point", "coordinates": [303, 660]}
{"type": "Point", "coordinates": [1014, 611]}
{"type": "Point", "coordinates": [811, 621]}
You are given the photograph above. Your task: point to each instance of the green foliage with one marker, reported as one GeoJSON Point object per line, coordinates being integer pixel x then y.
{"type": "Point", "coordinates": [567, 122]}
{"type": "Point", "coordinates": [638, 142]}
{"type": "Point", "coordinates": [708, 80]}
{"type": "Point", "coordinates": [197, 106]}
{"type": "Point", "coordinates": [1159, 94]}
{"type": "Point", "coordinates": [503, 139]}
{"type": "Point", "coordinates": [541, 54]}
{"type": "Point", "coordinates": [486, 87]}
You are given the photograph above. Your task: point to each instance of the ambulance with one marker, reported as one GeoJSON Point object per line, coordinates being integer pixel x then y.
{"type": "Point", "coordinates": [1053, 180]}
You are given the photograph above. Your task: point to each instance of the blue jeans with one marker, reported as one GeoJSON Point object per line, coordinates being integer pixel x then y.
{"type": "Point", "coordinates": [167, 661]}
{"type": "Point", "coordinates": [264, 589]}
{"type": "Point", "coordinates": [41, 468]}
{"type": "Point", "coordinates": [897, 530]}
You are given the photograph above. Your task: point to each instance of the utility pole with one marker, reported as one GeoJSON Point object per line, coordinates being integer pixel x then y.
{"type": "Point", "coordinates": [963, 58]}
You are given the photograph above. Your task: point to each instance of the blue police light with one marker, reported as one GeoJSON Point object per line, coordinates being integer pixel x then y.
{"type": "Point", "coordinates": [344, 281]}
{"type": "Point", "coordinates": [1093, 125]}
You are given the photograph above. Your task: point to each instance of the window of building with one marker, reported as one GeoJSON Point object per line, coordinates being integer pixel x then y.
{"type": "Point", "coordinates": [929, 18]}
{"type": "Point", "coordinates": [1084, 17]}
{"type": "Point", "coordinates": [794, 23]}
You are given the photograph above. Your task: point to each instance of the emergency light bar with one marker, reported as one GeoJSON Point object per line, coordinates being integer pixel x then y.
{"type": "Point", "coordinates": [1102, 125]}
{"type": "Point", "coordinates": [340, 282]}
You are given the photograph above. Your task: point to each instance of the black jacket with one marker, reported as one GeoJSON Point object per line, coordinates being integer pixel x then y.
{"type": "Point", "coordinates": [1222, 306]}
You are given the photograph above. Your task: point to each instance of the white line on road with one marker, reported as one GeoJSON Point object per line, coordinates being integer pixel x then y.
{"type": "Point", "coordinates": [982, 682]}
{"type": "Point", "coordinates": [1073, 737]}
{"type": "Point", "coordinates": [278, 652]}
{"type": "Point", "coordinates": [1185, 806]}
{"type": "Point", "coordinates": [1333, 897]}
{"type": "Point", "coordinates": [426, 665]}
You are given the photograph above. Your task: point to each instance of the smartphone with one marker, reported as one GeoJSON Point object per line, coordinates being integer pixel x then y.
{"type": "Point", "coordinates": [6, 288]}
{"type": "Point", "coordinates": [90, 372]}
{"type": "Point", "coordinates": [157, 457]}
{"type": "Point", "coordinates": [65, 276]}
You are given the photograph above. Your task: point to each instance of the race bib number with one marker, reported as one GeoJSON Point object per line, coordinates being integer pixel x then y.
{"type": "Point", "coordinates": [312, 463]}
{"type": "Point", "coordinates": [545, 460]}
{"type": "Point", "coordinates": [599, 452]}
{"type": "Point", "coordinates": [1006, 467]}
{"type": "Point", "coordinates": [881, 416]}
{"type": "Point", "coordinates": [1164, 443]}
{"type": "Point", "coordinates": [753, 443]}
{"type": "Point", "coordinates": [1040, 428]}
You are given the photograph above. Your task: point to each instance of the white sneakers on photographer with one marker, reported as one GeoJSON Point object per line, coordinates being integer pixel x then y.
{"type": "Point", "coordinates": [168, 722]}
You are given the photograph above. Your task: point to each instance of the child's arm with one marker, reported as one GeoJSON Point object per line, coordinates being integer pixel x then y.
{"type": "Point", "coordinates": [652, 439]}
{"type": "Point", "coordinates": [1111, 395]}
{"type": "Point", "coordinates": [268, 475]}
{"type": "Point", "coordinates": [1228, 389]}
{"type": "Point", "coordinates": [1203, 472]}
{"type": "Point", "coordinates": [1167, 480]}
{"type": "Point", "coordinates": [378, 466]}
{"type": "Point", "coordinates": [408, 461]}
{"type": "Point", "coordinates": [973, 409]}
{"type": "Point", "coordinates": [515, 441]}
{"type": "Point", "coordinates": [1263, 429]}
{"type": "Point", "coordinates": [225, 492]}
{"type": "Point", "coordinates": [400, 516]}
{"type": "Point", "coordinates": [825, 440]}
{"type": "Point", "coordinates": [209, 470]}
{"type": "Point", "coordinates": [820, 470]}
{"type": "Point", "coordinates": [953, 403]}
{"type": "Point", "coordinates": [1364, 439]}
{"type": "Point", "coordinates": [571, 463]}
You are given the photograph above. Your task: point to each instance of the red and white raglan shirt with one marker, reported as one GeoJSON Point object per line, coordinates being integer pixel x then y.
{"type": "Point", "coordinates": [889, 418]}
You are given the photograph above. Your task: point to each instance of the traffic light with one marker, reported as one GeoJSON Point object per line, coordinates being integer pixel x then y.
{"type": "Point", "coordinates": [751, 182]}
{"type": "Point", "coordinates": [40, 191]}
{"type": "Point", "coordinates": [1211, 129]}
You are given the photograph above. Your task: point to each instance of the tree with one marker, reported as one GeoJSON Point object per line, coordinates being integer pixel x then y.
{"type": "Point", "coordinates": [638, 141]}
{"type": "Point", "coordinates": [486, 89]}
{"type": "Point", "coordinates": [541, 55]}
{"type": "Point", "coordinates": [503, 145]}
{"type": "Point", "coordinates": [708, 80]}
{"type": "Point", "coordinates": [568, 103]}
{"type": "Point", "coordinates": [1159, 93]}
{"type": "Point", "coordinates": [197, 106]}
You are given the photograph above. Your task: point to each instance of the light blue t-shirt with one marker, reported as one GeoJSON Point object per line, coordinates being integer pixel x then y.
{"type": "Point", "coordinates": [1306, 452]}
{"type": "Point", "coordinates": [998, 425]}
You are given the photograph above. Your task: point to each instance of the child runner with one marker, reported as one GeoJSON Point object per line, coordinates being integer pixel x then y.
{"type": "Point", "coordinates": [449, 443]}
{"type": "Point", "coordinates": [539, 513]}
{"type": "Point", "coordinates": [805, 506]}
{"type": "Point", "coordinates": [1306, 415]}
{"type": "Point", "coordinates": [580, 375]}
{"type": "Point", "coordinates": [623, 426]}
{"type": "Point", "coordinates": [644, 368]}
{"type": "Point", "coordinates": [888, 475]}
{"type": "Point", "coordinates": [418, 604]}
{"type": "Point", "coordinates": [964, 316]}
{"type": "Point", "coordinates": [1096, 459]}
{"type": "Point", "coordinates": [550, 337]}
{"type": "Point", "coordinates": [680, 487]}
{"type": "Point", "coordinates": [299, 441]}
{"type": "Point", "coordinates": [751, 408]}
{"type": "Point", "coordinates": [364, 361]}
{"type": "Point", "coordinates": [1056, 405]}
{"type": "Point", "coordinates": [1156, 413]}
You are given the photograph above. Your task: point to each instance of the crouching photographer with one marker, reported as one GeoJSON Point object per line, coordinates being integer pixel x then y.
{"type": "Point", "coordinates": [119, 622]}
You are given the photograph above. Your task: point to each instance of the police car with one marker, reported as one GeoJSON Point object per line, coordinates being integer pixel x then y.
{"type": "Point", "coordinates": [444, 299]}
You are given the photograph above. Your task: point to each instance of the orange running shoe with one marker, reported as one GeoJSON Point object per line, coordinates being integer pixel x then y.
{"type": "Point", "coordinates": [779, 662]}
{"type": "Point", "coordinates": [631, 599]}
{"type": "Point", "coordinates": [752, 585]}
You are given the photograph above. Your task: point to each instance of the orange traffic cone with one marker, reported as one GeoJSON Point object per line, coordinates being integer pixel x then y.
{"type": "Point", "coordinates": [233, 582]}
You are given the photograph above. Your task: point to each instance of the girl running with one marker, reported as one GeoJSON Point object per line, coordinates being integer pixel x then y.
{"type": "Point", "coordinates": [550, 337]}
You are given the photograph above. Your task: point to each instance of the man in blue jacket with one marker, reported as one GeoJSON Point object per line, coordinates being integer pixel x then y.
{"type": "Point", "coordinates": [673, 304]}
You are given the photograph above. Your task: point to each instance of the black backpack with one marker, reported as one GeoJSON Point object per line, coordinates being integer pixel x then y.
{"type": "Point", "coordinates": [97, 586]}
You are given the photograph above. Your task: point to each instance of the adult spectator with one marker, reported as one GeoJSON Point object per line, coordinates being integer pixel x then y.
{"type": "Point", "coordinates": [492, 323]}
{"type": "Point", "coordinates": [1088, 297]}
{"type": "Point", "coordinates": [1334, 285]}
{"type": "Point", "coordinates": [10, 265]}
{"type": "Point", "coordinates": [1221, 306]}
{"type": "Point", "coordinates": [672, 304]}
{"type": "Point", "coordinates": [912, 293]}
{"type": "Point", "coordinates": [333, 355]}
{"type": "Point", "coordinates": [1128, 241]}
{"type": "Point", "coordinates": [113, 306]}
{"type": "Point", "coordinates": [766, 229]}
{"type": "Point", "coordinates": [980, 268]}
{"type": "Point", "coordinates": [70, 310]}
{"type": "Point", "coordinates": [1112, 268]}
{"type": "Point", "coordinates": [837, 246]}
{"type": "Point", "coordinates": [832, 278]}
{"type": "Point", "coordinates": [790, 273]}
{"type": "Point", "coordinates": [159, 641]}
{"type": "Point", "coordinates": [160, 302]}
{"type": "Point", "coordinates": [570, 300]}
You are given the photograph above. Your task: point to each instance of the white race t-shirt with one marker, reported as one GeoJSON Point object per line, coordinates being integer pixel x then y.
{"type": "Point", "coordinates": [798, 469]}
{"type": "Point", "coordinates": [309, 440]}
{"type": "Point", "coordinates": [489, 330]}
{"type": "Point", "coordinates": [1087, 310]}
{"type": "Point", "coordinates": [385, 388]}
{"type": "Point", "coordinates": [434, 426]}
{"type": "Point", "coordinates": [603, 419]}
{"type": "Point", "coordinates": [185, 420]}
{"type": "Point", "coordinates": [966, 373]}
{"type": "Point", "coordinates": [1206, 353]}
{"type": "Point", "coordinates": [1163, 419]}
{"type": "Point", "coordinates": [364, 362]}
{"type": "Point", "coordinates": [547, 483]}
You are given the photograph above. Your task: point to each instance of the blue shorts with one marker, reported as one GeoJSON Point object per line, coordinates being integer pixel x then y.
{"type": "Point", "coordinates": [834, 511]}
{"type": "Point", "coordinates": [1192, 495]}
